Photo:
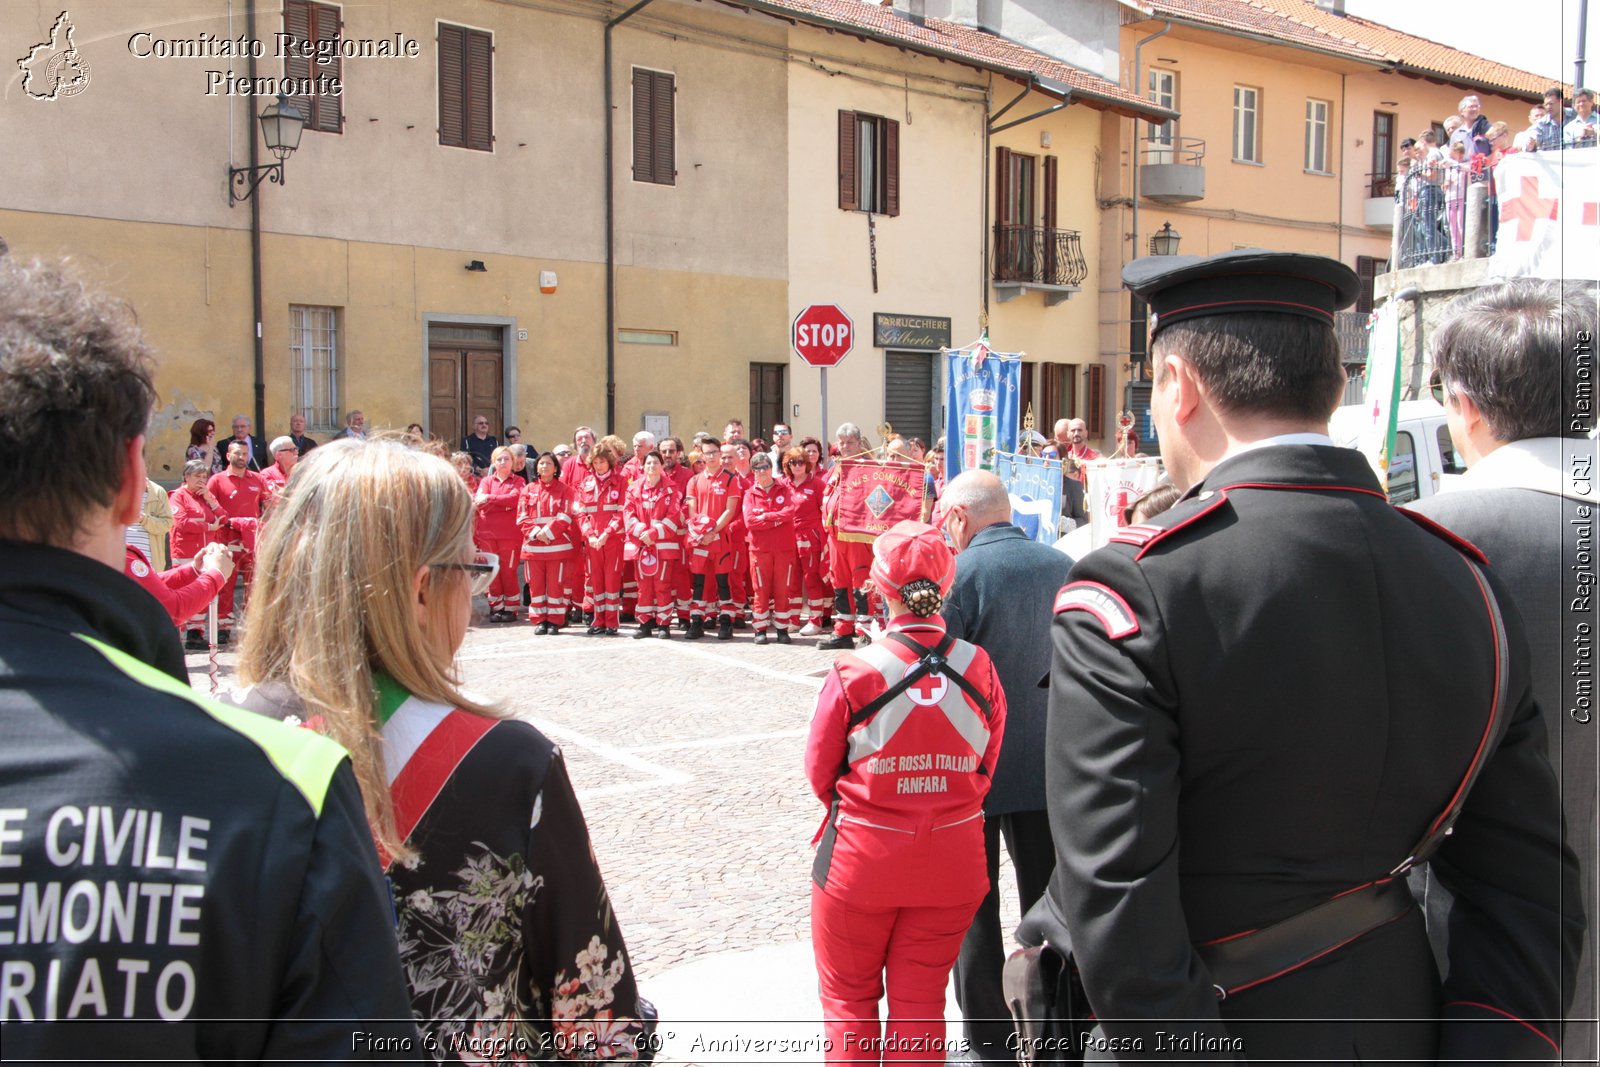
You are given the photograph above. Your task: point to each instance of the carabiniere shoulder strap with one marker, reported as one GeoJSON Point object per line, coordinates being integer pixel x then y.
{"type": "Point", "coordinates": [1239, 962]}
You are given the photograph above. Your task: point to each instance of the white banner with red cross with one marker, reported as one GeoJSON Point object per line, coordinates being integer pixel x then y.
{"type": "Point", "coordinates": [1549, 215]}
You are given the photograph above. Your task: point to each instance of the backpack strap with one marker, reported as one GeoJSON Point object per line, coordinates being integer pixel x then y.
{"type": "Point", "coordinates": [939, 653]}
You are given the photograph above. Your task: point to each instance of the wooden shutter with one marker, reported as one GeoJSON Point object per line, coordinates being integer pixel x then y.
{"type": "Point", "coordinates": [1049, 192]}
{"type": "Point", "coordinates": [479, 90]}
{"type": "Point", "coordinates": [1094, 409]}
{"type": "Point", "coordinates": [847, 161]}
{"type": "Point", "coordinates": [1366, 273]}
{"type": "Point", "coordinates": [1005, 207]}
{"type": "Point", "coordinates": [663, 97]}
{"type": "Point", "coordinates": [328, 110]}
{"type": "Point", "coordinates": [891, 167]}
{"type": "Point", "coordinates": [452, 76]}
{"type": "Point", "coordinates": [297, 25]}
{"type": "Point", "coordinates": [643, 127]}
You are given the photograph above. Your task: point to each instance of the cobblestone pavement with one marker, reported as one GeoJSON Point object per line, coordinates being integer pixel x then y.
{"type": "Point", "coordinates": [688, 759]}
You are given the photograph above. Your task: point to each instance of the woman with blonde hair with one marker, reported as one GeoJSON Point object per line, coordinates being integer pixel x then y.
{"type": "Point", "coordinates": [601, 497]}
{"type": "Point", "coordinates": [505, 927]}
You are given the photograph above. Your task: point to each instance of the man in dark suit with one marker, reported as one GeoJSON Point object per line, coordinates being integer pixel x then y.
{"type": "Point", "coordinates": [1005, 585]}
{"type": "Point", "coordinates": [1502, 359]}
{"type": "Point", "coordinates": [1265, 701]}
{"type": "Point", "coordinates": [257, 459]}
{"type": "Point", "coordinates": [297, 434]}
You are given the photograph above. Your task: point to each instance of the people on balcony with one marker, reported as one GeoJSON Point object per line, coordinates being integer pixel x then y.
{"type": "Point", "coordinates": [1584, 129]}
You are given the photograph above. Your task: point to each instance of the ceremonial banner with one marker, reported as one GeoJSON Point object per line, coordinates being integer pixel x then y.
{"type": "Point", "coordinates": [873, 496]}
{"type": "Point", "coordinates": [1113, 485]}
{"type": "Point", "coordinates": [982, 395]}
{"type": "Point", "coordinates": [1034, 484]}
{"type": "Point", "coordinates": [1375, 432]}
{"type": "Point", "coordinates": [1549, 215]}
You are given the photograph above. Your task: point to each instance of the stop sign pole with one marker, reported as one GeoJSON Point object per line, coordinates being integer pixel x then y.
{"type": "Point", "coordinates": [822, 335]}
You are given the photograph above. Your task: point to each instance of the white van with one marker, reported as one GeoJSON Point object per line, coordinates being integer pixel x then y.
{"type": "Point", "coordinates": [1424, 457]}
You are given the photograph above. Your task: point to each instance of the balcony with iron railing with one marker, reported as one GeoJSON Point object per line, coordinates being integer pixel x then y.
{"type": "Point", "coordinates": [1033, 257]}
{"type": "Point", "coordinates": [1173, 172]}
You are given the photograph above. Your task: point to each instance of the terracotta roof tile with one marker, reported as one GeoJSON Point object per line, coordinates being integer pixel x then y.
{"type": "Point", "coordinates": [1301, 22]}
{"type": "Point", "coordinates": [960, 43]}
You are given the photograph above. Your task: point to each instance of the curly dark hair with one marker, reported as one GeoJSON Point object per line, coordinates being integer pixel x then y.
{"type": "Point", "coordinates": [922, 596]}
{"type": "Point", "coordinates": [75, 380]}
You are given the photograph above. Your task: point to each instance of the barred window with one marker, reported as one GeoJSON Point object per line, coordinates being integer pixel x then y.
{"type": "Point", "coordinates": [314, 365]}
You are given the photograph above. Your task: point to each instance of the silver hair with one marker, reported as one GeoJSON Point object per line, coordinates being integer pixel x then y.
{"type": "Point", "coordinates": [848, 429]}
{"type": "Point", "coordinates": [644, 437]}
{"type": "Point", "coordinates": [196, 466]}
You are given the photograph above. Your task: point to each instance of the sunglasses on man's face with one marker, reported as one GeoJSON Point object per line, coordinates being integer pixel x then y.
{"type": "Point", "coordinates": [1436, 387]}
{"type": "Point", "coordinates": [481, 571]}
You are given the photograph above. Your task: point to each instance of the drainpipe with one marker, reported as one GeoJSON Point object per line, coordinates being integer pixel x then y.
{"type": "Point", "coordinates": [255, 244]}
{"type": "Point", "coordinates": [611, 237]}
{"type": "Point", "coordinates": [1166, 29]}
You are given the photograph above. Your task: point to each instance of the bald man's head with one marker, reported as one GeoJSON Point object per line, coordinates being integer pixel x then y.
{"type": "Point", "coordinates": [971, 502]}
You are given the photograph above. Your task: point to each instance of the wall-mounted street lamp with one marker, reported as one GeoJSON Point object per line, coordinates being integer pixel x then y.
{"type": "Point", "coordinates": [1164, 242]}
{"type": "Point", "coordinates": [281, 125]}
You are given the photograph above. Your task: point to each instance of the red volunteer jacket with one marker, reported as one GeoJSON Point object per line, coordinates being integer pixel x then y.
{"type": "Point", "coordinates": [657, 510]}
{"type": "Point", "coordinates": [807, 511]}
{"type": "Point", "coordinates": [600, 503]}
{"type": "Point", "coordinates": [181, 590]}
{"type": "Point", "coordinates": [241, 496]}
{"type": "Point", "coordinates": [679, 476]}
{"type": "Point", "coordinates": [769, 517]}
{"type": "Point", "coordinates": [497, 517]}
{"type": "Point", "coordinates": [910, 781]}
{"type": "Point", "coordinates": [191, 521]}
{"type": "Point", "coordinates": [710, 494]}
{"type": "Point", "coordinates": [276, 480]}
{"type": "Point", "coordinates": [546, 505]}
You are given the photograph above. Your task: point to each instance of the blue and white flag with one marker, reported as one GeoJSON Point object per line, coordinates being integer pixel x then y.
{"type": "Point", "coordinates": [1034, 484]}
{"type": "Point", "coordinates": [982, 396]}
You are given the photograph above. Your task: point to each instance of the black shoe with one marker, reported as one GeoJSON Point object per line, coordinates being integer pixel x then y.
{"type": "Point", "coordinates": [836, 642]}
{"type": "Point", "coordinates": [664, 631]}
{"type": "Point", "coordinates": [697, 630]}
{"type": "Point", "coordinates": [595, 631]}
{"type": "Point", "coordinates": [782, 637]}
{"type": "Point", "coordinates": [574, 617]}
{"type": "Point", "coordinates": [627, 616]}
{"type": "Point", "coordinates": [195, 642]}
{"type": "Point", "coordinates": [761, 637]}
{"type": "Point", "coordinates": [611, 631]}
{"type": "Point", "coordinates": [645, 630]}
{"type": "Point", "coordinates": [542, 628]}
{"type": "Point", "coordinates": [222, 637]}
{"type": "Point", "coordinates": [740, 624]}
{"type": "Point", "coordinates": [725, 629]}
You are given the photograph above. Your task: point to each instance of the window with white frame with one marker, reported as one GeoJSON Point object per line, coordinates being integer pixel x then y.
{"type": "Point", "coordinates": [314, 365]}
{"type": "Point", "coordinates": [1246, 124]}
{"type": "Point", "coordinates": [1317, 112]}
{"type": "Point", "coordinates": [1161, 137]}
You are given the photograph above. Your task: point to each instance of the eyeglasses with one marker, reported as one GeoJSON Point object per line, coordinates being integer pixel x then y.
{"type": "Point", "coordinates": [513, 437]}
{"type": "Point", "coordinates": [1436, 387]}
{"type": "Point", "coordinates": [796, 463]}
{"type": "Point", "coordinates": [482, 570]}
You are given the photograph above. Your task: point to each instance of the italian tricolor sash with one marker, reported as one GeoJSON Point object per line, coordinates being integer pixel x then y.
{"type": "Point", "coordinates": [424, 743]}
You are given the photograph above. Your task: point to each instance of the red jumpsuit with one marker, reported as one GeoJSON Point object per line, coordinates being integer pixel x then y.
{"type": "Point", "coordinates": [709, 494]}
{"type": "Point", "coordinates": [632, 471]}
{"type": "Point", "coordinates": [658, 511]}
{"type": "Point", "coordinates": [599, 508]}
{"type": "Point", "coordinates": [573, 472]}
{"type": "Point", "coordinates": [547, 506]}
{"type": "Point", "coordinates": [276, 479]}
{"type": "Point", "coordinates": [811, 580]}
{"type": "Point", "coordinates": [240, 497]}
{"type": "Point", "coordinates": [496, 531]}
{"type": "Point", "coordinates": [900, 870]}
{"type": "Point", "coordinates": [739, 564]}
{"type": "Point", "coordinates": [682, 581]}
{"type": "Point", "coordinates": [769, 528]}
{"type": "Point", "coordinates": [191, 533]}
{"type": "Point", "coordinates": [849, 563]}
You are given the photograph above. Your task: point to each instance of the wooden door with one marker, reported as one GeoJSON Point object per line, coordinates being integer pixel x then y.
{"type": "Point", "coordinates": [464, 383]}
{"type": "Point", "coordinates": [766, 398]}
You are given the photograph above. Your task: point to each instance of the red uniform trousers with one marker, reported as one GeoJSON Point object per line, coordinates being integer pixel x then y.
{"type": "Point", "coordinates": [604, 587]}
{"type": "Point", "coordinates": [548, 580]}
{"type": "Point", "coordinates": [683, 588]}
{"type": "Point", "coordinates": [658, 591]}
{"type": "Point", "coordinates": [772, 576]}
{"type": "Point", "coordinates": [630, 589]}
{"type": "Point", "coordinates": [505, 593]}
{"type": "Point", "coordinates": [812, 582]}
{"type": "Point", "coordinates": [857, 948]}
{"type": "Point", "coordinates": [851, 563]}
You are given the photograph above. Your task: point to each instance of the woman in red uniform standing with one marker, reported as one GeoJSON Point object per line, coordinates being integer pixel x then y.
{"type": "Point", "coordinates": [655, 533]}
{"type": "Point", "coordinates": [497, 497]}
{"type": "Point", "coordinates": [905, 737]}
{"type": "Point", "coordinates": [600, 503]}
{"type": "Point", "coordinates": [811, 581]}
{"type": "Point", "coordinates": [544, 516]}
{"type": "Point", "coordinates": [768, 507]}
{"type": "Point", "coordinates": [196, 520]}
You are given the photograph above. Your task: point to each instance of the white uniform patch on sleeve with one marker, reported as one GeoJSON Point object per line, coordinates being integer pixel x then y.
{"type": "Point", "coordinates": [1104, 603]}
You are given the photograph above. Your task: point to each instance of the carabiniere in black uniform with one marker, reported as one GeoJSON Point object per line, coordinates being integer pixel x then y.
{"type": "Point", "coordinates": [1260, 701]}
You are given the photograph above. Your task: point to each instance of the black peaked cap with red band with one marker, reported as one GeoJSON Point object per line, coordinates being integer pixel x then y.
{"type": "Point", "coordinates": [1292, 283]}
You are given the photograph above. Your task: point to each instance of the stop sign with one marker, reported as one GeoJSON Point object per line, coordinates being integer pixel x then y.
{"type": "Point", "coordinates": [823, 335]}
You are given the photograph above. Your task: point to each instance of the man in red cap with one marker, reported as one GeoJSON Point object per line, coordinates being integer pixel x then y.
{"type": "Point", "coordinates": [902, 745]}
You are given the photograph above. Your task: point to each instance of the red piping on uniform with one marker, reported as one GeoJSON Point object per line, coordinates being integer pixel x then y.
{"type": "Point", "coordinates": [1336, 896]}
{"type": "Point", "coordinates": [1222, 498]}
{"type": "Point", "coordinates": [1508, 1015]}
{"type": "Point", "coordinates": [1229, 937]}
{"type": "Point", "coordinates": [1235, 303]}
{"type": "Point", "coordinates": [1446, 534]}
{"type": "Point", "coordinates": [1494, 707]}
{"type": "Point", "coordinates": [1318, 956]}
{"type": "Point", "coordinates": [1359, 888]}
{"type": "Point", "coordinates": [1306, 488]}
